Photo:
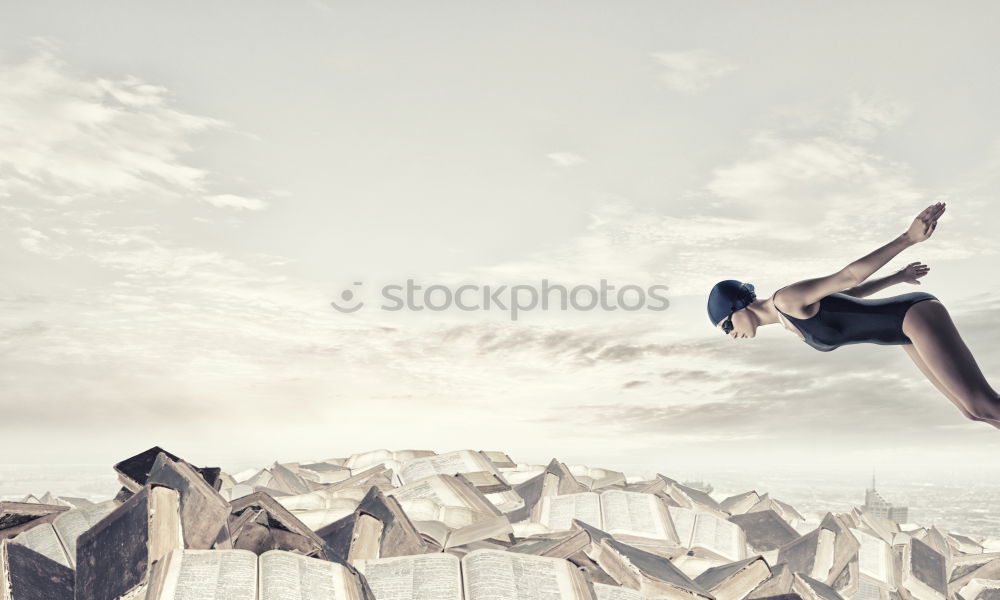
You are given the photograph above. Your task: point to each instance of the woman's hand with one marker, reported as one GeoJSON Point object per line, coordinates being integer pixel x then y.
{"type": "Point", "coordinates": [923, 226]}
{"type": "Point", "coordinates": [912, 272]}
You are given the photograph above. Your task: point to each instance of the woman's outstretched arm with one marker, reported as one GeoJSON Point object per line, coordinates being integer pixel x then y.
{"type": "Point", "coordinates": [921, 229]}
{"type": "Point", "coordinates": [808, 291]}
{"type": "Point", "coordinates": [872, 286]}
{"type": "Point", "coordinates": [908, 274]}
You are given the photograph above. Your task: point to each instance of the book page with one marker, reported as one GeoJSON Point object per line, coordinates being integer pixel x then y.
{"type": "Point", "coordinates": [633, 513]}
{"type": "Point", "coordinates": [139, 592]}
{"type": "Point", "coordinates": [867, 590]}
{"type": "Point", "coordinates": [431, 488]}
{"type": "Point", "coordinates": [421, 509]}
{"type": "Point", "coordinates": [43, 539]}
{"type": "Point", "coordinates": [70, 524]}
{"type": "Point", "coordinates": [419, 577]}
{"type": "Point", "coordinates": [366, 539]}
{"type": "Point", "coordinates": [321, 499]}
{"type": "Point", "coordinates": [436, 530]}
{"type": "Point", "coordinates": [316, 519]}
{"type": "Point", "coordinates": [558, 512]}
{"type": "Point", "coordinates": [980, 588]}
{"type": "Point", "coordinates": [288, 576]}
{"type": "Point", "coordinates": [363, 460]}
{"type": "Point", "coordinates": [824, 554]}
{"type": "Point", "coordinates": [449, 463]}
{"type": "Point", "coordinates": [499, 575]}
{"type": "Point", "coordinates": [455, 517]}
{"type": "Point", "coordinates": [211, 575]}
{"type": "Point", "coordinates": [683, 519]}
{"type": "Point", "coordinates": [613, 592]}
{"type": "Point", "coordinates": [717, 535]}
{"type": "Point", "coordinates": [505, 502]}
{"type": "Point", "coordinates": [610, 478]}
{"type": "Point", "coordinates": [498, 458]}
{"type": "Point", "coordinates": [497, 527]}
{"type": "Point", "coordinates": [872, 556]}
{"type": "Point", "coordinates": [523, 529]}
{"type": "Point", "coordinates": [404, 455]}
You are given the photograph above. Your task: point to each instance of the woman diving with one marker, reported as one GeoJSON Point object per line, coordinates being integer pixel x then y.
{"type": "Point", "coordinates": [828, 312]}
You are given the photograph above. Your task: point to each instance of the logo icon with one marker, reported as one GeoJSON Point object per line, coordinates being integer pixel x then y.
{"type": "Point", "coordinates": [347, 295]}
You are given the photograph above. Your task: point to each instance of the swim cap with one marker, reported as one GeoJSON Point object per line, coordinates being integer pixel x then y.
{"type": "Point", "coordinates": [728, 296]}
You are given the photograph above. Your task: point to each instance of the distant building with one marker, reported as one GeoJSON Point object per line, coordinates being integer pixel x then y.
{"type": "Point", "coordinates": [876, 505]}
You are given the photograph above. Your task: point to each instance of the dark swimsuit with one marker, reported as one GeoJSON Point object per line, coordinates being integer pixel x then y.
{"type": "Point", "coordinates": [843, 319]}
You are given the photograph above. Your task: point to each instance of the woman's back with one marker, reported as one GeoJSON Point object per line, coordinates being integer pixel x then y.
{"type": "Point", "coordinates": [844, 319]}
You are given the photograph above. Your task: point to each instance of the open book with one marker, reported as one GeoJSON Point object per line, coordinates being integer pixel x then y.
{"type": "Point", "coordinates": [650, 574]}
{"type": "Point", "coordinates": [57, 539]}
{"type": "Point", "coordinates": [604, 591]}
{"type": "Point", "coordinates": [980, 589]}
{"type": "Point", "coordinates": [874, 557]}
{"type": "Point", "coordinates": [475, 466]}
{"type": "Point", "coordinates": [16, 517]}
{"type": "Point", "coordinates": [614, 511]}
{"type": "Point", "coordinates": [446, 499]}
{"type": "Point", "coordinates": [595, 478]}
{"type": "Point", "coordinates": [501, 460]}
{"type": "Point", "coordinates": [479, 575]}
{"type": "Point", "coordinates": [707, 532]}
{"type": "Point", "coordinates": [924, 571]}
{"type": "Point", "coordinates": [811, 554]}
{"type": "Point", "coordinates": [242, 575]}
{"type": "Point", "coordinates": [115, 556]}
{"type": "Point", "coordinates": [495, 528]}
{"type": "Point", "coordinates": [765, 531]}
{"type": "Point", "coordinates": [966, 567]}
{"type": "Point", "coordinates": [450, 511]}
{"type": "Point", "coordinates": [449, 463]}
{"type": "Point", "coordinates": [29, 575]}
{"type": "Point", "coordinates": [363, 460]}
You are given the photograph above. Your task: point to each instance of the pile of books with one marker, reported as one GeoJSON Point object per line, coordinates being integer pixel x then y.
{"type": "Point", "coordinates": [462, 525]}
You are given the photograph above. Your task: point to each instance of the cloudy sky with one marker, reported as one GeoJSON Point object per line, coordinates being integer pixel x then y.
{"type": "Point", "coordinates": [185, 188]}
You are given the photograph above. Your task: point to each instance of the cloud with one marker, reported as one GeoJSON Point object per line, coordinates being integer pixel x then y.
{"type": "Point", "coordinates": [565, 159]}
{"type": "Point", "coordinates": [778, 174]}
{"type": "Point", "coordinates": [237, 202]}
{"type": "Point", "coordinates": [321, 5]}
{"type": "Point", "coordinates": [692, 71]}
{"type": "Point", "coordinates": [864, 406]}
{"type": "Point", "coordinates": [868, 116]}
{"type": "Point", "coordinates": [33, 328]}
{"type": "Point", "coordinates": [574, 345]}
{"type": "Point", "coordinates": [849, 197]}
{"type": "Point", "coordinates": [66, 138]}
{"type": "Point", "coordinates": [790, 204]}
{"type": "Point", "coordinates": [32, 240]}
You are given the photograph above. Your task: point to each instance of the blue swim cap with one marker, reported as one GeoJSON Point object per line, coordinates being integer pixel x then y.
{"type": "Point", "coordinates": [728, 296]}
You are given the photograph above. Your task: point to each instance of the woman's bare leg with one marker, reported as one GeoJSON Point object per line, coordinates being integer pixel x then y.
{"type": "Point", "coordinates": [944, 353]}
{"type": "Point", "coordinates": [912, 353]}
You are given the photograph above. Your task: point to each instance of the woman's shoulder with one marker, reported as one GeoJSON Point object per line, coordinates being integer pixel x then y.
{"type": "Point", "coordinates": [780, 302]}
{"type": "Point", "coordinates": [792, 306]}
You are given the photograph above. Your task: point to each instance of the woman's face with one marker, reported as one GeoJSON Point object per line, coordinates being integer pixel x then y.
{"type": "Point", "coordinates": [744, 325]}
